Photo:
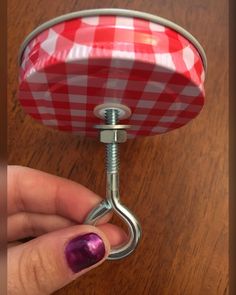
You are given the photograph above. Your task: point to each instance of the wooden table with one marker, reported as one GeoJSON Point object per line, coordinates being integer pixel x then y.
{"type": "Point", "coordinates": [176, 183]}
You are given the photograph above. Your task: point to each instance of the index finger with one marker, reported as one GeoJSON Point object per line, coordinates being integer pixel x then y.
{"type": "Point", "coordinates": [35, 191]}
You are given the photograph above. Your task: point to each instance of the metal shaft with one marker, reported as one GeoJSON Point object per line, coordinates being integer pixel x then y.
{"type": "Point", "coordinates": [112, 152]}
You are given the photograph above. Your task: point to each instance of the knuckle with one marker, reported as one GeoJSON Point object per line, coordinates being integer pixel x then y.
{"type": "Point", "coordinates": [33, 272]}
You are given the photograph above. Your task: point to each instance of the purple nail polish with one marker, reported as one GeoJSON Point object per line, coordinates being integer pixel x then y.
{"type": "Point", "coordinates": [84, 251]}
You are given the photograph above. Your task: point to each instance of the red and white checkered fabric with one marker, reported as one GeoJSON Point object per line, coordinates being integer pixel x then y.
{"type": "Point", "coordinates": [70, 68]}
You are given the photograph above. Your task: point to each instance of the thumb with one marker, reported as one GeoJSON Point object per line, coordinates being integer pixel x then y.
{"type": "Point", "coordinates": [49, 262]}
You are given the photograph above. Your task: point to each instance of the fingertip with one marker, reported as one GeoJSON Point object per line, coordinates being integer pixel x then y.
{"type": "Point", "coordinates": [115, 235]}
{"type": "Point", "coordinates": [78, 231]}
{"type": "Point", "coordinates": [104, 219]}
{"type": "Point", "coordinates": [87, 250]}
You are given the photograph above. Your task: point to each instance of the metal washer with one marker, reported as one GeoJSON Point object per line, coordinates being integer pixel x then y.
{"type": "Point", "coordinates": [124, 112]}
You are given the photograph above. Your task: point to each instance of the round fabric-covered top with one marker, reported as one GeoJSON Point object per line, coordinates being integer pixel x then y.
{"type": "Point", "coordinates": [73, 66]}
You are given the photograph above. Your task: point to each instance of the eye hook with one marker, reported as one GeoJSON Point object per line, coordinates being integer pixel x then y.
{"type": "Point", "coordinates": [112, 134]}
{"type": "Point", "coordinates": [112, 202]}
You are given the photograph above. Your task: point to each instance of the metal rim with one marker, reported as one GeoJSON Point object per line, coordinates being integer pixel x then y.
{"type": "Point", "coordinates": [115, 11]}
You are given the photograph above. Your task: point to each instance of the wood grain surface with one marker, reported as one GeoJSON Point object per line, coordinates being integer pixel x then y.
{"type": "Point", "coordinates": [176, 183]}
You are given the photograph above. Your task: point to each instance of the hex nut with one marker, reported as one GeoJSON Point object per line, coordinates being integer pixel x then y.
{"type": "Point", "coordinates": [113, 136]}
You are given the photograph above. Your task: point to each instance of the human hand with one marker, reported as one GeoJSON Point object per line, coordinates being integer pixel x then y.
{"type": "Point", "coordinates": [52, 210]}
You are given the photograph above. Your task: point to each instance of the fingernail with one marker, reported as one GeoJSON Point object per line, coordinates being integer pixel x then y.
{"type": "Point", "coordinates": [84, 251]}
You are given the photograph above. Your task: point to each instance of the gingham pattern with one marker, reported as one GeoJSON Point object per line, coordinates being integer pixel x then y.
{"type": "Point", "coordinates": [78, 64]}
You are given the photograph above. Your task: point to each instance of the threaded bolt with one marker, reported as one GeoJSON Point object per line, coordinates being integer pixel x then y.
{"type": "Point", "coordinates": [112, 152]}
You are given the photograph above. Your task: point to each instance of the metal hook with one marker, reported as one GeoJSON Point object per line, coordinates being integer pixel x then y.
{"type": "Point", "coordinates": [112, 203]}
{"type": "Point", "coordinates": [111, 137]}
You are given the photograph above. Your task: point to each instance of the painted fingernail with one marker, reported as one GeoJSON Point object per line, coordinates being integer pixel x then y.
{"type": "Point", "coordinates": [84, 251]}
